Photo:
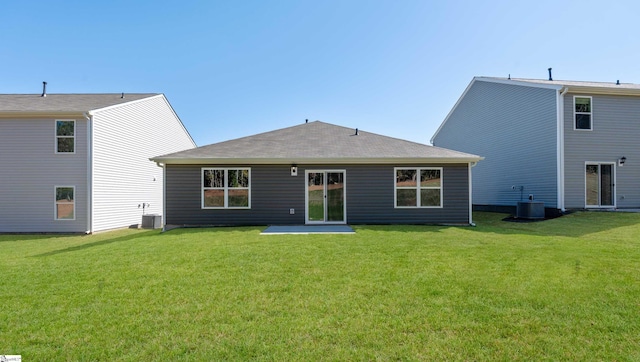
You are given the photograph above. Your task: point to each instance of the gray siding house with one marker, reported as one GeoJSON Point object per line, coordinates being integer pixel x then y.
{"type": "Point", "coordinates": [317, 173]}
{"type": "Point", "coordinates": [570, 144]}
{"type": "Point", "coordinates": [80, 162]}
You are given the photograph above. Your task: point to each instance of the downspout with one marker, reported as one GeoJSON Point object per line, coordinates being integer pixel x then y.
{"type": "Point", "coordinates": [89, 118]}
{"type": "Point", "coordinates": [471, 165]}
{"type": "Point", "coordinates": [164, 196]}
{"type": "Point", "coordinates": [560, 151]}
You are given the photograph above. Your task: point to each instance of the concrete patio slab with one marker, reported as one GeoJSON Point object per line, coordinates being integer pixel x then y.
{"type": "Point", "coordinates": [307, 229]}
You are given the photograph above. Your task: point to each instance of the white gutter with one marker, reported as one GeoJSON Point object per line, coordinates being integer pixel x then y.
{"type": "Point", "coordinates": [315, 161]}
{"type": "Point", "coordinates": [560, 144]}
{"type": "Point", "coordinates": [89, 117]}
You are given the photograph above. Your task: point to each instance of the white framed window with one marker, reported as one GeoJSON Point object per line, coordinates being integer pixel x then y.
{"type": "Point", "coordinates": [65, 203]}
{"type": "Point", "coordinates": [582, 113]}
{"type": "Point", "coordinates": [226, 188]}
{"type": "Point", "coordinates": [418, 187]}
{"type": "Point", "coordinates": [65, 136]}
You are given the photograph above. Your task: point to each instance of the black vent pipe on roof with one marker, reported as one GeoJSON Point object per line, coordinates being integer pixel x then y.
{"type": "Point", "coordinates": [550, 77]}
{"type": "Point", "coordinates": [122, 96]}
{"type": "Point", "coordinates": [356, 131]}
{"type": "Point", "coordinates": [44, 89]}
{"type": "Point", "coordinates": [618, 82]}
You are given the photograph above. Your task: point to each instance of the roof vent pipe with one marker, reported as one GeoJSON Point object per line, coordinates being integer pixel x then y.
{"type": "Point", "coordinates": [306, 120]}
{"type": "Point", "coordinates": [550, 77]}
{"type": "Point", "coordinates": [618, 82]}
{"type": "Point", "coordinates": [122, 96]}
{"type": "Point", "coordinates": [356, 131]}
{"type": "Point", "coordinates": [44, 89]}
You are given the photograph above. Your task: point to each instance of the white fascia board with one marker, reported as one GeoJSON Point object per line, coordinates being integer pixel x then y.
{"type": "Point", "coordinates": [313, 161]}
{"type": "Point", "coordinates": [603, 90]}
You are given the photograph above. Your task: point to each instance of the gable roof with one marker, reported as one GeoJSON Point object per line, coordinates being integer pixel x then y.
{"type": "Point", "coordinates": [607, 88]}
{"type": "Point", "coordinates": [570, 85]}
{"type": "Point", "coordinates": [315, 143]}
{"type": "Point", "coordinates": [60, 104]}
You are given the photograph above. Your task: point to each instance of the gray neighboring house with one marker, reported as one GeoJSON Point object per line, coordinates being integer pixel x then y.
{"type": "Point", "coordinates": [317, 173]}
{"type": "Point", "coordinates": [80, 162]}
{"type": "Point", "coordinates": [570, 144]}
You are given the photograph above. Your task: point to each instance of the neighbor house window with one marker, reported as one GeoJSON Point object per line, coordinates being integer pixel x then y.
{"type": "Point", "coordinates": [226, 188]}
{"type": "Point", "coordinates": [65, 207]}
{"type": "Point", "coordinates": [65, 136]}
{"type": "Point", "coordinates": [418, 187]}
{"type": "Point", "coordinates": [582, 113]}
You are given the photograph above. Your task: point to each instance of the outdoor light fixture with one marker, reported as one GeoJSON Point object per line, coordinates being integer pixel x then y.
{"type": "Point", "coordinates": [294, 170]}
{"type": "Point", "coordinates": [621, 161]}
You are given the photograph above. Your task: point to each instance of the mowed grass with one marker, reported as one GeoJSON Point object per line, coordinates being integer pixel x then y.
{"type": "Point", "coordinates": [562, 289]}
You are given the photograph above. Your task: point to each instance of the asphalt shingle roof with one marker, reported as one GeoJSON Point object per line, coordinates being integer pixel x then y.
{"type": "Point", "coordinates": [315, 141]}
{"type": "Point", "coordinates": [54, 103]}
{"type": "Point", "coordinates": [572, 83]}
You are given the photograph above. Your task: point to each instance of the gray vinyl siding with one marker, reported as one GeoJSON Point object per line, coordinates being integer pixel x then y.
{"type": "Point", "coordinates": [125, 137]}
{"type": "Point", "coordinates": [369, 197]}
{"type": "Point", "coordinates": [615, 131]}
{"type": "Point", "coordinates": [29, 171]}
{"type": "Point", "coordinates": [515, 128]}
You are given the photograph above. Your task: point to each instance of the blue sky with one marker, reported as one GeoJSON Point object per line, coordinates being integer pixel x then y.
{"type": "Point", "coordinates": [237, 68]}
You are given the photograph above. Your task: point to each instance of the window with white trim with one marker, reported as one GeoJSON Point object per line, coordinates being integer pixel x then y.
{"type": "Point", "coordinates": [226, 188]}
{"type": "Point", "coordinates": [582, 113]}
{"type": "Point", "coordinates": [65, 204]}
{"type": "Point", "coordinates": [418, 186]}
{"type": "Point", "coordinates": [65, 136]}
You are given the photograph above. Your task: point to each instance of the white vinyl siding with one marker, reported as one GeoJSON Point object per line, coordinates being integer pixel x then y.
{"type": "Point", "coordinates": [124, 138]}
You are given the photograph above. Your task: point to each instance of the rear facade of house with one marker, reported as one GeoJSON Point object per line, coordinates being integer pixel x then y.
{"type": "Point", "coordinates": [80, 163]}
{"type": "Point", "coordinates": [319, 193]}
{"type": "Point", "coordinates": [317, 173]}
{"type": "Point", "coordinates": [572, 145]}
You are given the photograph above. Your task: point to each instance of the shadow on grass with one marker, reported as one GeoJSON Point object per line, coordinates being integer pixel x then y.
{"type": "Point", "coordinates": [97, 243]}
{"type": "Point", "coordinates": [577, 224]}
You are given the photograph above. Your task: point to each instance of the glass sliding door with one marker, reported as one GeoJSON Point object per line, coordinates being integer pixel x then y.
{"type": "Point", "coordinates": [315, 197]}
{"type": "Point", "coordinates": [335, 196]}
{"type": "Point", "coordinates": [325, 196]}
{"type": "Point", "coordinates": [600, 185]}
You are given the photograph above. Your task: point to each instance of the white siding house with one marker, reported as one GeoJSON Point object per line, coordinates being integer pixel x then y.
{"type": "Point", "coordinates": [80, 162]}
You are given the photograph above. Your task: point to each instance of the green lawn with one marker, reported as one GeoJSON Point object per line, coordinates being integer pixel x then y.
{"type": "Point", "coordinates": [562, 289]}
